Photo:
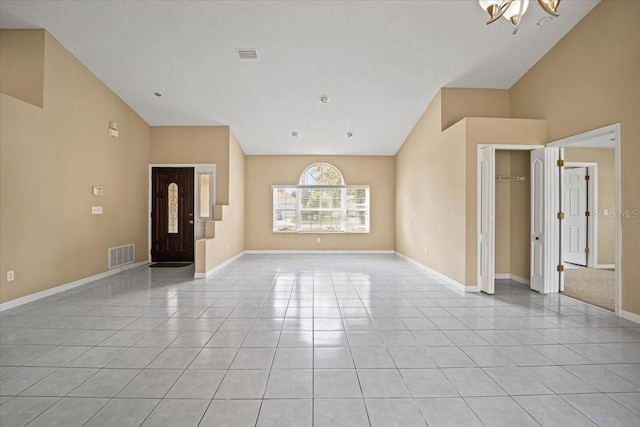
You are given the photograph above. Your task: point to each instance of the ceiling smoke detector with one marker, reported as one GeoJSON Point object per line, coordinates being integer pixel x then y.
{"type": "Point", "coordinates": [324, 99]}
{"type": "Point", "coordinates": [247, 53]}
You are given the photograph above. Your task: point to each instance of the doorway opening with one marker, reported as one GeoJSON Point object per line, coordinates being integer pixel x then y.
{"type": "Point", "coordinates": [504, 217]}
{"type": "Point", "coordinates": [594, 275]}
{"type": "Point", "coordinates": [513, 221]}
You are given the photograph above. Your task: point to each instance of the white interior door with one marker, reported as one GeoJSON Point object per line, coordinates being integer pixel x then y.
{"type": "Point", "coordinates": [486, 220]}
{"type": "Point", "coordinates": [545, 227]}
{"type": "Point", "coordinates": [575, 219]}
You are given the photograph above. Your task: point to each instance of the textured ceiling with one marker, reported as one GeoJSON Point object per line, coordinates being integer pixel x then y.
{"type": "Point", "coordinates": [380, 62]}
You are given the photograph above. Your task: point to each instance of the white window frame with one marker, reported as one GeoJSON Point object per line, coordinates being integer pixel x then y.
{"type": "Point", "coordinates": [344, 211]}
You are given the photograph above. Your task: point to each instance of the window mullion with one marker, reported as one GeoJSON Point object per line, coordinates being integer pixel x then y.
{"type": "Point", "coordinates": [343, 209]}
{"type": "Point", "coordinates": [298, 209]}
{"type": "Point", "coordinates": [367, 207]}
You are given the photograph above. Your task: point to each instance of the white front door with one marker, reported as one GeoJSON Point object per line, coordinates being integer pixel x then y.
{"type": "Point", "coordinates": [545, 227]}
{"type": "Point", "coordinates": [486, 225]}
{"type": "Point", "coordinates": [575, 216]}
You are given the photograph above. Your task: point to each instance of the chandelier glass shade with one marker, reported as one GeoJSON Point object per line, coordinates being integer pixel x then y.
{"type": "Point", "coordinates": [513, 10]}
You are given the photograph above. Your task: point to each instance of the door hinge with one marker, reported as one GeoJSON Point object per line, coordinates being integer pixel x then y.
{"type": "Point", "coordinates": [560, 268]}
{"type": "Point", "coordinates": [587, 213]}
{"type": "Point", "coordinates": [560, 163]}
{"type": "Point", "coordinates": [586, 250]}
{"type": "Point", "coordinates": [587, 177]}
{"type": "Point", "coordinates": [560, 215]}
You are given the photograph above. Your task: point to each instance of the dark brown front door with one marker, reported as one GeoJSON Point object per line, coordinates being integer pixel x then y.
{"type": "Point", "coordinates": [172, 214]}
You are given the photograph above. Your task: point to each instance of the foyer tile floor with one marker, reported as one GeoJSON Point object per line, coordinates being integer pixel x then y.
{"type": "Point", "coordinates": [322, 340]}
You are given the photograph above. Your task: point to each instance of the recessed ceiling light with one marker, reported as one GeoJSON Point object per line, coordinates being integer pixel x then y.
{"type": "Point", "coordinates": [158, 94]}
{"type": "Point", "coordinates": [324, 99]}
{"type": "Point", "coordinates": [294, 134]}
{"type": "Point", "coordinates": [349, 134]}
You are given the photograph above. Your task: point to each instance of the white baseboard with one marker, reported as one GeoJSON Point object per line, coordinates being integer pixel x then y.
{"type": "Point", "coordinates": [512, 277]}
{"type": "Point", "coordinates": [319, 252]}
{"type": "Point", "coordinates": [627, 315]}
{"type": "Point", "coordinates": [218, 267]}
{"type": "Point", "coordinates": [606, 266]}
{"type": "Point", "coordinates": [65, 287]}
{"type": "Point", "coordinates": [445, 278]}
{"type": "Point", "coordinates": [630, 316]}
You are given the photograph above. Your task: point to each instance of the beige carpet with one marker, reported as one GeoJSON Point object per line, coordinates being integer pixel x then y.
{"type": "Point", "coordinates": [591, 285]}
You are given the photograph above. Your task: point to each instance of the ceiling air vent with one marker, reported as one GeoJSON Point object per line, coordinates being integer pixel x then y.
{"type": "Point", "coordinates": [247, 53]}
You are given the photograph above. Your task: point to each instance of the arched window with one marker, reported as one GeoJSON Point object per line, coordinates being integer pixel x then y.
{"type": "Point", "coordinates": [321, 203]}
{"type": "Point", "coordinates": [321, 174]}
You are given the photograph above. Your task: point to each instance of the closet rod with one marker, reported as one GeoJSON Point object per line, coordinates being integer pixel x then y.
{"type": "Point", "coordinates": [509, 178]}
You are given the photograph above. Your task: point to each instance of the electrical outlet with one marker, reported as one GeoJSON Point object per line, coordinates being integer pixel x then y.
{"type": "Point", "coordinates": [317, 240]}
{"type": "Point", "coordinates": [10, 276]}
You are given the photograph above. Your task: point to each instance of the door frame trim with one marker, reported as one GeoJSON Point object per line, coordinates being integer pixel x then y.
{"type": "Point", "coordinates": [592, 206]}
{"type": "Point", "coordinates": [195, 196]}
{"type": "Point", "coordinates": [610, 133]}
{"type": "Point", "coordinates": [504, 147]}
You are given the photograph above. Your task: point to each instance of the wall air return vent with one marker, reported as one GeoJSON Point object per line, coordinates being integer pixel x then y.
{"type": "Point", "coordinates": [247, 53]}
{"type": "Point", "coordinates": [121, 255]}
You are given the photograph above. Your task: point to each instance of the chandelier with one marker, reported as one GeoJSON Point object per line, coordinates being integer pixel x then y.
{"type": "Point", "coordinates": [514, 9]}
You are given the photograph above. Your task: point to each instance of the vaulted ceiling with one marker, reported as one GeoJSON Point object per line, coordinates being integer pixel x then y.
{"type": "Point", "coordinates": [378, 62]}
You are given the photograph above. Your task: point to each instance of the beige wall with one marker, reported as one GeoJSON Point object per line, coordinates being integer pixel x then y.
{"type": "Point", "coordinates": [460, 103]}
{"type": "Point", "coordinates": [430, 194]}
{"type": "Point", "coordinates": [503, 214]}
{"type": "Point", "coordinates": [513, 214]}
{"type": "Point", "coordinates": [22, 65]}
{"type": "Point", "coordinates": [605, 158]}
{"type": "Point", "coordinates": [210, 144]}
{"type": "Point", "coordinates": [490, 131]}
{"type": "Point", "coordinates": [520, 210]}
{"type": "Point", "coordinates": [50, 159]}
{"type": "Point", "coordinates": [194, 144]}
{"type": "Point", "coordinates": [590, 79]}
{"type": "Point", "coordinates": [264, 171]}
{"type": "Point", "coordinates": [229, 238]}
{"type": "Point", "coordinates": [436, 180]}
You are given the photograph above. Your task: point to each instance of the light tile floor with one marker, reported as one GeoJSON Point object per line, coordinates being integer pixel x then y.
{"type": "Point", "coordinates": [323, 340]}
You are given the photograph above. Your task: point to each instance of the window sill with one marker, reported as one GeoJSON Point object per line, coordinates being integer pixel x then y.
{"type": "Point", "coordinates": [321, 232]}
